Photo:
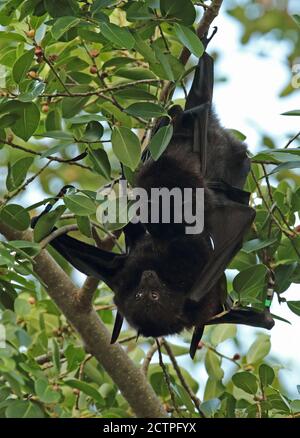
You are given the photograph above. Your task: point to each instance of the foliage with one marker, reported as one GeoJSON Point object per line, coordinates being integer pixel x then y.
{"type": "Point", "coordinates": [88, 76]}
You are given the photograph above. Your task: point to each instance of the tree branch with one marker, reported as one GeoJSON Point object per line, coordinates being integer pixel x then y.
{"type": "Point", "coordinates": [96, 338]}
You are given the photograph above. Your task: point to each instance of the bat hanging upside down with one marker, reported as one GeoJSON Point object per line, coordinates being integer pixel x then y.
{"type": "Point", "coordinates": [169, 280]}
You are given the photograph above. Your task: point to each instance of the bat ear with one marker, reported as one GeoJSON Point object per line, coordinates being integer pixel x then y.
{"type": "Point", "coordinates": [117, 328]}
{"type": "Point", "coordinates": [226, 225]}
{"type": "Point", "coordinates": [90, 260]}
{"type": "Point", "coordinates": [196, 338]}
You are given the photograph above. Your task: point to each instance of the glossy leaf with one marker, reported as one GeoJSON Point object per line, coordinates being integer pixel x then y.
{"type": "Point", "coordinates": [160, 141]}
{"type": "Point", "coordinates": [189, 39]}
{"type": "Point", "coordinates": [126, 147]}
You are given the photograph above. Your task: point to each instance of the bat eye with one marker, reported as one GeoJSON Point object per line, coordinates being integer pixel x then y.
{"type": "Point", "coordinates": [154, 296]}
{"type": "Point", "coordinates": [138, 295]}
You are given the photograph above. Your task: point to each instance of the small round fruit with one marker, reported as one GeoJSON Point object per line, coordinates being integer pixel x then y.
{"type": "Point", "coordinates": [10, 138]}
{"type": "Point", "coordinates": [32, 74]}
{"type": "Point", "coordinates": [45, 108]}
{"type": "Point", "coordinates": [94, 53]}
{"type": "Point", "coordinates": [31, 300]}
{"type": "Point", "coordinates": [38, 51]}
{"type": "Point", "coordinates": [236, 357]}
{"type": "Point", "coordinates": [93, 70]}
{"type": "Point", "coordinates": [31, 33]}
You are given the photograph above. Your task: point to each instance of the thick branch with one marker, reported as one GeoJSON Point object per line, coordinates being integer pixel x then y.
{"type": "Point", "coordinates": [96, 338]}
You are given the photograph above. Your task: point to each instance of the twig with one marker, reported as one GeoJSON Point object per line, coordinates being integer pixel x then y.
{"type": "Point", "coordinates": [45, 358]}
{"type": "Point", "coordinates": [104, 90]}
{"type": "Point", "coordinates": [273, 202]}
{"type": "Point", "coordinates": [105, 307]}
{"type": "Point", "coordinates": [59, 232]}
{"type": "Point", "coordinates": [80, 377]}
{"type": "Point", "coordinates": [26, 183]}
{"type": "Point", "coordinates": [183, 382]}
{"type": "Point", "coordinates": [49, 63]}
{"type": "Point", "coordinates": [167, 377]}
{"type": "Point", "coordinates": [223, 356]}
{"type": "Point", "coordinates": [32, 152]}
{"type": "Point", "coordinates": [148, 358]}
{"type": "Point", "coordinates": [292, 140]}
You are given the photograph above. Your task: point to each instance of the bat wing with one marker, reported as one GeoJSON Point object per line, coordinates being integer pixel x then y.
{"type": "Point", "coordinates": [226, 224]}
{"type": "Point", "coordinates": [88, 259]}
{"type": "Point", "coordinates": [198, 106]}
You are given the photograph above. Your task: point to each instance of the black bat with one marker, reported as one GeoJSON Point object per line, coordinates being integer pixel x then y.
{"type": "Point", "coordinates": [169, 280]}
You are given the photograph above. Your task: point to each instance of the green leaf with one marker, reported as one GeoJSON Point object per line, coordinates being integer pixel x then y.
{"type": "Point", "coordinates": [54, 149]}
{"type": "Point", "coordinates": [120, 36]}
{"type": "Point", "coordinates": [13, 36]}
{"type": "Point", "coordinates": [135, 73]}
{"type": "Point", "coordinates": [21, 307]}
{"type": "Point", "coordinates": [237, 134]}
{"type": "Point", "coordinates": [259, 349]}
{"type": "Point", "coordinates": [45, 224]}
{"type": "Point", "coordinates": [189, 39]}
{"type": "Point", "coordinates": [160, 141]}
{"type": "Point", "coordinates": [74, 356]}
{"type": "Point", "coordinates": [100, 4]}
{"type": "Point", "coordinates": [100, 162]}
{"type": "Point", "coordinates": [56, 356]}
{"type": "Point", "coordinates": [251, 281]}
{"type": "Point", "coordinates": [138, 11]}
{"type": "Point", "coordinates": [257, 245]}
{"type": "Point", "coordinates": [17, 173]}
{"type": "Point", "coordinates": [59, 135]}
{"type": "Point", "coordinates": [245, 381]}
{"type": "Point", "coordinates": [183, 10]}
{"type": "Point", "coordinates": [62, 25]}
{"type": "Point", "coordinates": [28, 117]}
{"type": "Point", "coordinates": [81, 120]}
{"type": "Point", "coordinates": [22, 66]}
{"type": "Point", "coordinates": [286, 166]}
{"type": "Point", "coordinates": [294, 306]}
{"type": "Point", "coordinates": [86, 389]}
{"type": "Point", "coordinates": [15, 216]}
{"type": "Point", "coordinates": [53, 121]}
{"type": "Point", "coordinates": [292, 113]}
{"type": "Point", "coordinates": [44, 392]}
{"type": "Point", "coordinates": [213, 365]}
{"type": "Point", "coordinates": [79, 204]}
{"type": "Point", "coordinates": [295, 404]}
{"type": "Point", "coordinates": [222, 332]}
{"type": "Point", "coordinates": [34, 90]}
{"type": "Point", "coordinates": [146, 110]}
{"type": "Point", "coordinates": [93, 132]}
{"type": "Point", "coordinates": [7, 120]}
{"type": "Point", "coordinates": [126, 147]}
{"type": "Point", "coordinates": [84, 225]}
{"type": "Point", "coordinates": [24, 409]}
{"type": "Point", "coordinates": [210, 407]}
{"type": "Point", "coordinates": [296, 18]}
{"type": "Point", "coordinates": [66, 7]}
{"type": "Point", "coordinates": [266, 375]}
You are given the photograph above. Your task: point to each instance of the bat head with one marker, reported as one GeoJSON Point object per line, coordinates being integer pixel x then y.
{"type": "Point", "coordinates": [154, 285]}
{"type": "Point", "coordinates": [151, 307]}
